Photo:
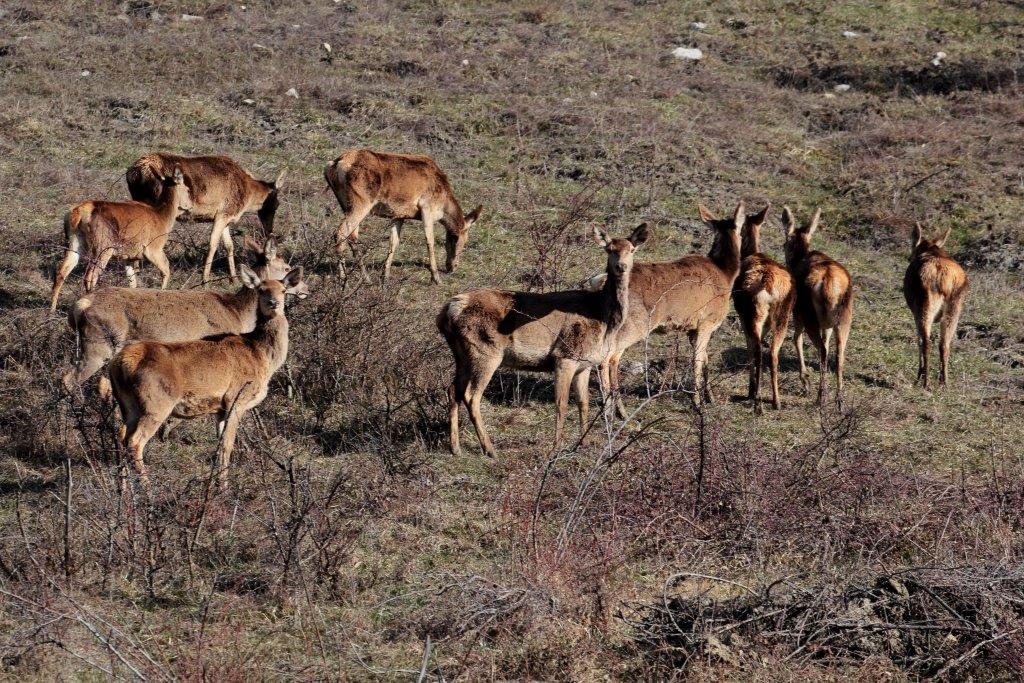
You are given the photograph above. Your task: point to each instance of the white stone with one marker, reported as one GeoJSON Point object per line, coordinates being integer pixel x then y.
{"type": "Point", "coordinates": [248, 101]}
{"type": "Point", "coordinates": [465, 62]}
{"type": "Point", "coordinates": [698, 25]}
{"type": "Point", "coordinates": [326, 47]}
{"type": "Point", "coordinates": [191, 17]}
{"type": "Point", "coordinates": [851, 34]}
{"type": "Point", "coordinates": [691, 53]}
{"type": "Point", "coordinates": [843, 87]}
{"type": "Point", "coordinates": [86, 73]}
{"type": "Point", "coordinates": [292, 92]}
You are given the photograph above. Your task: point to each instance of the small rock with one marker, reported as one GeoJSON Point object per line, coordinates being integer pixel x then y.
{"type": "Point", "coordinates": [937, 59]}
{"type": "Point", "coordinates": [465, 62]}
{"type": "Point", "coordinates": [843, 87]}
{"type": "Point", "coordinates": [191, 17]}
{"type": "Point", "coordinates": [86, 73]}
{"type": "Point", "coordinates": [296, 25]}
{"type": "Point", "coordinates": [262, 48]}
{"type": "Point", "coordinates": [567, 100]}
{"type": "Point", "coordinates": [20, 39]}
{"type": "Point", "coordinates": [248, 102]}
{"type": "Point", "coordinates": [593, 94]}
{"type": "Point", "coordinates": [830, 96]}
{"type": "Point", "coordinates": [851, 34]}
{"type": "Point", "coordinates": [326, 47]}
{"type": "Point", "coordinates": [698, 25]}
{"type": "Point", "coordinates": [242, 7]}
{"type": "Point", "coordinates": [690, 53]}
{"type": "Point", "coordinates": [292, 92]}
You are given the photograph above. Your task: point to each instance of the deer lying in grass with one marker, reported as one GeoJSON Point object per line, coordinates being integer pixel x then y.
{"type": "Point", "coordinates": [561, 332]}
{"type": "Point", "coordinates": [764, 297]}
{"type": "Point", "coordinates": [824, 300]}
{"type": "Point", "coordinates": [225, 375]}
{"type": "Point", "coordinates": [107, 319]}
{"type": "Point", "coordinates": [400, 187]}
{"type": "Point", "coordinates": [689, 294]}
{"type": "Point", "coordinates": [934, 286]}
{"type": "Point", "coordinates": [222, 192]}
{"type": "Point", "coordinates": [126, 230]}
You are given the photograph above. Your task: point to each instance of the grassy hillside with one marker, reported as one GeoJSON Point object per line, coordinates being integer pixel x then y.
{"type": "Point", "coordinates": [351, 544]}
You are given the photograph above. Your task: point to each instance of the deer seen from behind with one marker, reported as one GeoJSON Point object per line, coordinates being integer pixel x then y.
{"type": "Point", "coordinates": [222, 192]}
{"type": "Point", "coordinates": [824, 300]}
{"type": "Point", "coordinates": [130, 231]}
{"type": "Point", "coordinates": [934, 286]}
{"type": "Point", "coordinates": [110, 317]}
{"type": "Point", "coordinates": [399, 187]}
{"type": "Point", "coordinates": [224, 376]}
{"type": "Point", "coordinates": [561, 332]}
{"type": "Point", "coordinates": [764, 297]}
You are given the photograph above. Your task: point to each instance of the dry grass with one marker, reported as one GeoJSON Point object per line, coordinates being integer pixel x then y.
{"type": "Point", "coordinates": [350, 538]}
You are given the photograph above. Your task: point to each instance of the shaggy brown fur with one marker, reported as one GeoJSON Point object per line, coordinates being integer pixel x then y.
{"type": "Point", "coordinates": [935, 287]}
{"type": "Point", "coordinates": [763, 295]}
{"type": "Point", "coordinates": [127, 230]}
{"type": "Point", "coordinates": [690, 294]}
{"type": "Point", "coordinates": [226, 375]}
{"type": "Point", "coordinates": [824, 300]}
{"type": "Point", "coordinates": [222, 192]}
{"type": "Point", "coordinates": [107, 319]}
{"type": "Point", "coordinates": [399, 187]}
{"type": "Point", "coordinates": [562, 332]}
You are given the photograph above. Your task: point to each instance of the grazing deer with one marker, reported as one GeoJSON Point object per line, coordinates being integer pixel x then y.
{"type": "Point", "coordinates": [561, 332]}
{"type": "Point", "coordinates": [400, 187]}
{"type": "Point", "coordinates": [225, 375]}
{"type": "Point", "coordinates": [934, 286]}
{"type": "Point", "coordinates": [689, 294]}
{"type": "Point", "coordinates": [222, 192]}
{"type": "Point", "coordinates": [824, 300]}
{"type": "Point", "coordinates": [127, 230]}
{"type": "Point", "coordinates": [763, 296]}
{"type": "Point", "coordinates": [110, 317]}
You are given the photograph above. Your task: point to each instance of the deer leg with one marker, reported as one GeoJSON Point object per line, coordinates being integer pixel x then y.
{"type": "Point", "coordinates": [220, 224]}
{"type": "Point", "coordinates": [428, 231]}
{"type": "Point", "coordinates": [754, 354]}
{"type": "Point", "coordinates": [616, 387]}
{"type": "Point", "coordinates": [396, 236]}
{"type": "Point", "coordinates": [581, 385]}
{"type": "Point", "coordinates": [229, 247]}
{"type": "Point", "coordinates": [159, 259]}
{"type": "Point", "coordinates": [842, 334]}
{"type": "Point", "coordinates": [92, 273]}
{"type": "Point", "coordinates": [822, 343]}
{"type": "Point", "coordinates": [71, 256]}
{"type": "Point", "coordinates": [924, 342]}
{"type": "Point", "coordinates": [348, 231]}
{"type": "Point", "coordinates": [458, 394]}
{"type": "Point", "coordinates": [94, 354]}
{"type": "Point", "coordinates": [136, 438]}
{"type": "Point", "coordinates": [565, 370]}
{"type": "Point", "coordinates": [950, 320]}
{"type": "Point", "coordinates": [227, 428]}
{"type": "Point", "coordinates": [798, 342]}
{"type": "Point", "coordinates": [778, 337]}
{"type": "Point", "coordinates": [478, 384]}
{"type": "Point", "coordinates": [130, 272]}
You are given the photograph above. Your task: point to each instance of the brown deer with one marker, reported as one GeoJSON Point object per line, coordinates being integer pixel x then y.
{"type": "Point", "coordinates": [824, 300]}
{"type": "Point", "coordinates": [127, 230]}
{"type": "Point", "coordinates": [225, 375]}
{"type": "Point", "coordinates": [222, 192]}
{"type": "Point", "coordinates": [689, 294]}
{"type": "Point", "coordinates": [934, 286]}
{"type": "Point", "coordinates": [764, 297]}
{"type": "Point", "coordinates": [561, 332]}
{"type": "Point", "coordinates": [399, 187]}
{"type": "Point", "coordinates": [110, 317]}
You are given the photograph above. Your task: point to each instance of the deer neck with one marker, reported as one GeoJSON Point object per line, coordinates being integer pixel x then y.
{"type": "Point", "coordinates": [616, 300]}
{"type": "Point", "coordinates": [271, 335]}
{"type": "Point", "coordinates": [725, 254]}
{"type": "Point", "coordinates": [796, 251]}
{"type": "Point", "coordinates": [751, 244]}
{"type": "Point", "coordinates": [453, 220]}
{"type": "Point", "coordinates": [245, 304]}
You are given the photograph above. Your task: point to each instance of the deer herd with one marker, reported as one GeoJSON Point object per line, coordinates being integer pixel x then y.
{"type": "Point", "coordinates": [187, 353]}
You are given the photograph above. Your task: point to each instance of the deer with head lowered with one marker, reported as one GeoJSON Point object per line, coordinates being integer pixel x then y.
{"type": "Point", "coordinates": [764, 297]}
{"type": "Point", "coordinates": [399, 187]}
{"type": "Point", "coordinates": [689, 294]}
{"type": "Point", "coordinates": [935, 287]}
{"type": "Point", "coordinates": [110, 317]}
{"type": "Point", "coordinates": [824, 300]}
{"type": "Point", "coordinates": [561, 332]}
{"type": "Point", "coordinates": [130, 231]}
{"type": "Point", "coordinates": [222, 192]}
{"type": "Point", "coordinates": [225, 375]}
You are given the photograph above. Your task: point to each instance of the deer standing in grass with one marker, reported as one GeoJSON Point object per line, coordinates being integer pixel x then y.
{"type": "Point", "coordinates": [222, 192]}
{"type": "Point", "coordinates": [689, 294]}
{"type": "Point", "coordinates": [110, 317]}
{"type": "Point", "coordinates": [764, 297]}
{"type": "Point", "coordinates": [934, 286]}
{"type": "Point", "coordinates": [130, 231]}
{"type": "Point", "coordinates": [224, 376]}
{"type": "Point", "coordinates": [400, 187]}
{"type": "Point", "coordinates": [824, 301]}
{"type": "Point", "coordinates": [561, 332]}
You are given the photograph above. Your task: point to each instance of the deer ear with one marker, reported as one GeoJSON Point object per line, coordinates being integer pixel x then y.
{"type": "Point", "coordinates": [813, 226]}
{"type": "Point", "coordinates": [251, 245]}
{"type": "Point", "coordinates": [916, 235]}
{"type": "Point", "coordinates": [788, 220]}
{"type": "Point", "coordinates": [279, 181]}
{"type": "Point", "coordinates": [758, 218]}
{"type": "Point", "coordinates": [640, 235]}
{"type": "Point", "coordinates": [292, 280]}
{"type": "Point", "coordinates": [705, 214]}
{"type": "Point", "coordinates": [249, 278]}
{"type": "Point", "coordinates": [474, 215]}
{"type": "Point", "coordinates": [740, 216]}
{"type": "Point", "coordinates": [945, 236]}
{"type": "Point", "coordinates": [601, 237]}
{"type": "Point", "coordinates": [270, 248]}
{"type": "Point", "coordinates": [179, 178]}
